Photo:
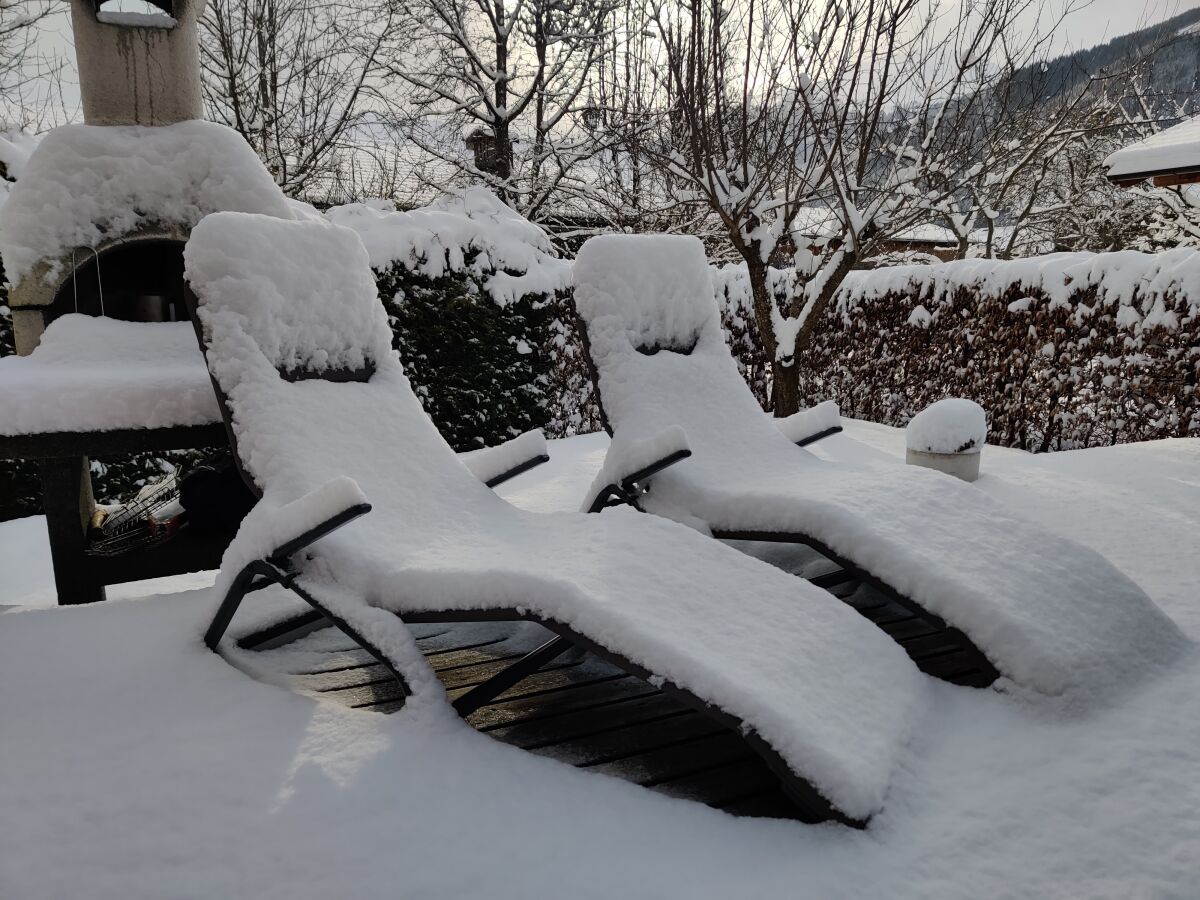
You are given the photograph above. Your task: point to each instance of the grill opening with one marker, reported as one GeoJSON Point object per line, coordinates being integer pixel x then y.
{"type": "Point", "coordinates": [137, 281]}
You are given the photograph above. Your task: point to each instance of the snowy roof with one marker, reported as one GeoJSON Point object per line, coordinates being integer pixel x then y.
{"type": "Point", "coordinates": [1174, 150]}
{"type": "Point", "coordinates": [87, 184]}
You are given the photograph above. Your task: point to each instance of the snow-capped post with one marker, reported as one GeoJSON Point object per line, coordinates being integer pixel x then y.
{"type": "Point", "coordinates": [948, 436]}
{"type": "Point", "coordinates": [138, 68]}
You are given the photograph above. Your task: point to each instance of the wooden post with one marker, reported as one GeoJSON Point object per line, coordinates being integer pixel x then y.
{"type": "Point", "coordinates": [67, 495]}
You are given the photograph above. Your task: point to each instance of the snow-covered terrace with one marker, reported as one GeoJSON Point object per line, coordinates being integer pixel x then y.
{"type": "Point", "coordinates": [145, 766]}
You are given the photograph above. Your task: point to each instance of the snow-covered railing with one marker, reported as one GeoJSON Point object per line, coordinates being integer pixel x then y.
{"type": "Point", "coordinates": [1063, 351]}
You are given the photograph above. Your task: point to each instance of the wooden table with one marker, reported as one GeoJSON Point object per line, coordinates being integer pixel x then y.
{"type": "Point", "coordinates": [80, 577]}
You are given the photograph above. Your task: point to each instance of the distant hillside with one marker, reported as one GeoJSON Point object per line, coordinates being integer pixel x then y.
{"type": "Point", "coordinates": [1175, 68]}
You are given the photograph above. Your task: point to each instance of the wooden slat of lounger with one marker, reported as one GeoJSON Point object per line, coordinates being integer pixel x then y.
{"type": "Point", "coordinates": [619, 743]}
{"type": "Point", "coordinates": [771, 803]}
{"type": "Point", "coordinates": [382, 691]}
{"type": "Point", "coordinates": [590, 713]}
{"type": "Point", "coordinates": [938, 644]}
{"type": "Point", "coordinates": [569, 698]}
{"type": "Point", "coordinates": [592, 720]}
{"type": "Point", "coordinates": [958, 667]}
{"type": "Point", "coordinates": [911, 629]}
{"type": "Point", "coordinates": [426, 631]}
{"type": "Point", "coordinates": [361, 659]}
{"type": "Point", "coordinates": [364, 675]}
{"type": "Point", "coordinates": [725, 783]}
{"type": "Point", "coordinates": [344, 660]}
{"type": "Point", "coordinates": [548, 684]}
{"type": "Point", "coordinates": [692, 753]}
{"type": "Point", "coordinates": [466, 676]}
{"type": "Point", "coordinates": [554, 677]}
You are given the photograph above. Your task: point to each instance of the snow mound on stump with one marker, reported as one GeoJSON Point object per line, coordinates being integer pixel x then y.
{"type": "Point", "coordinates": [952, 425]}
{"type": "Point", "coordinates": [86, 184]}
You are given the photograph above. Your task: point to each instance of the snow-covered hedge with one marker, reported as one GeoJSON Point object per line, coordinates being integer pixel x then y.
{"type": "Point", "coordinates": [1066, 350]}
{"type": "Point", "coordinates": [481, 310]}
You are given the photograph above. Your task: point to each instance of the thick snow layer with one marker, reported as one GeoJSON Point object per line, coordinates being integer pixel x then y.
{"type": "Point", "coordinates": [136, 19]}
{"type": "Point", "coordinates": [952, 425]}
{"type": "Point", "coordinates": [99, 374]}
{"type": "Point", "coordinates": [327, 334]}
{"type": "Point", "coordinates": [15, 149]}
{"type": "Point", "coordinates": [115, 713]}
{"type": "Point", "coordinates": [650, 293]}
{"type": "Point", "coordinates": [808, 422]}
{"type": "Point", "coordinates": [16, 146]}
{"type": "Point", "coordinates": [86, 184]}
{"type": "Point", "coordinates": [492, 462]}
{"type": "Point", "coordinates": [473, 232]}
{"type": "Point", "coordinates": [1054, 617]}
{"type": "Point", "coordinates": [1129, 282]}
{"type": "Point", "coordinates": [650, 590]}
{"type": "Point", "coordinates": [1177, 147]}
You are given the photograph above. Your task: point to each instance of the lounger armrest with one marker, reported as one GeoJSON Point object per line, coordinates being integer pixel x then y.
{"type": "Point", "coordinates": [297, 524]}
{"type": "Point", "coordinates": [496, 465]}
{"type": "Point", "coordinates": [629, 464]}
{"type": "Point", "coordinates": [812, 424]}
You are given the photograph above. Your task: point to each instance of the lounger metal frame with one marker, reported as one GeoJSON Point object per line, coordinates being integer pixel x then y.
{"type": "Point", "coordinates": [278, 569]}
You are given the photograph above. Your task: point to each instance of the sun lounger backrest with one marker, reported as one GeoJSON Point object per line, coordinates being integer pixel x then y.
{"type": "Point", "coordinates": [640, 292]}
{"type": "Point", "coordinates": [289, 313]}
{"type": "Point", "coordinates": [319, 319]}
{"type": "Point", "coordinates": [652, 290]}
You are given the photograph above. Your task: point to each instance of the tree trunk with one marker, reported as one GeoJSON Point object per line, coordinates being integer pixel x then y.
{"type": "Point", "coordinates": [785, 389]}
{"type": "Point", "coordinates": [785, 379]}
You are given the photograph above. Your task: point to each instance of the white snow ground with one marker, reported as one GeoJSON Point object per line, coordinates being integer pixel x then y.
{"type": "Point", "coordinates": [133, 763]}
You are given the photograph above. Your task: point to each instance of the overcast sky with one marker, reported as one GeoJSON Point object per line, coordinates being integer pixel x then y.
{"type": "Point", "coordinates": [1099, 21]}
{"type": "Point", "coordinates": [1104, 20]}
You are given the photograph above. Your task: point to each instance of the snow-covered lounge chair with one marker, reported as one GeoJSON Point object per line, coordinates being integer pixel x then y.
{"type": "Point", "coordinates": [1047, 613]}
{"type": "Point", "coordinates": [326, 425]}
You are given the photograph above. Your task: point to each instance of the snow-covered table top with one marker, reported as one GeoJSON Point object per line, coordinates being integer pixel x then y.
{"type": "Point", "coordinates": [1177, 147]}
{"type": "Point", "coordinates": [92, 374]}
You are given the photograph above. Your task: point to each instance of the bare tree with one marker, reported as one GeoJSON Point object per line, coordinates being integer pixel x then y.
{"type": "Point", "coordinates": [30, 89]}
{"type": "Point", "coordinates": [779, 105]}
{"type": "Point", "coordinates": [299, 79]}
{"type": "Point", "coordinates": [509, 77]}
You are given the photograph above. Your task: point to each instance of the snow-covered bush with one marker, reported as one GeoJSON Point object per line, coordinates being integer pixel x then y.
{"type": "Point", "coordinates": [1063, 351]}
{"type": "Point", "coordinates": [732, 286]}
{"type": "Point", "coordinates": [480, 307]}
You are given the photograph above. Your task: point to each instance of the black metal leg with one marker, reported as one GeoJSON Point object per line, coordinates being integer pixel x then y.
{"type": "Point", "coordinates": [489, 690]}
{"type": "Point", "coordinates": [67, 497]}
{"type": "Point", "coordinates": [242, 585]}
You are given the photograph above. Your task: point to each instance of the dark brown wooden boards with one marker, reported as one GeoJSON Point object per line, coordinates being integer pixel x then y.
{"type": "Point", "coordinates": [580, 710]}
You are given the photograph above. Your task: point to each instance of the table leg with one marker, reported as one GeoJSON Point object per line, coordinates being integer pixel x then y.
{"type": "Point", "coordinates": [67, 497]}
